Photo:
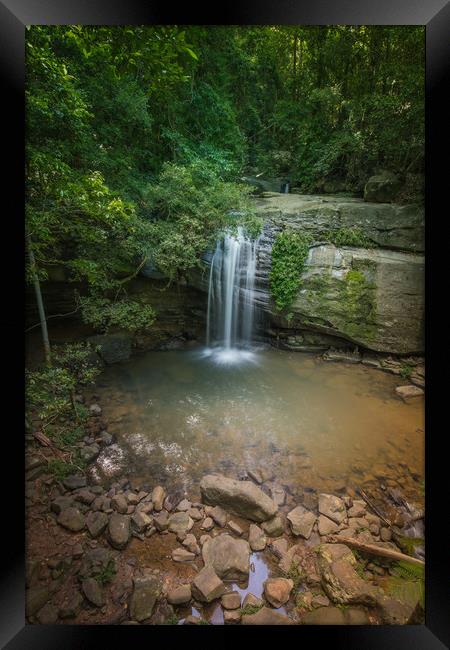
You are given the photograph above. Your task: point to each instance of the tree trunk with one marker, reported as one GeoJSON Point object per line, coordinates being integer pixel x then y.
{"type": "Point", "coordinates": [40, 303]}
{"type": "Point", "coordinates": [294, 84]}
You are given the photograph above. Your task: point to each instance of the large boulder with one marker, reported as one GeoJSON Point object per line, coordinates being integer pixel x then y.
{"type": "Point", "coordinates": [229, 557]}
{"type": "Point", "coordinates": [242, 498]}
{"type": "Point", "coordinates": [382, 188]}
{"type": "Point", "coordinates": [340, 579]}
{"type": "Point", "coordinates": [374, 298]}
{"type": "Point", "coordinates": [112, 348]}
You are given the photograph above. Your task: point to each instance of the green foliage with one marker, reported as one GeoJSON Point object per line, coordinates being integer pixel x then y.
{"type": "Point", "coordinates": [408, 583]}
{"type": "Point", "coordinates": [107, 573]}
{"type": "Point", "coordinates": [191, 205]}
{"type": "Point", "coordinates": [71, 436]}
{"type": "Point", "coordinates": [104, 314]}
{"type": "Point", "coordinates": [301, 603]}
{"type": "Point", "coordinates": [358, 301]}
{"type": "Point", "coordinates": [405, 371]}
{"type": "Point", "coordinates": [289, 253]}
{"type": "Point", "coordinates": [250, 609]}
{"type": "Point", "coordinates": [172, 620]}
{"type": "Point", "coordinates": [60, 469]}
{"type": "Point", "coordinates": [296, 575]}
{"type": "Point", "coordinates": [349, 237]}
{"type": "Point", "coordinates": [252, 225]}
{"type": "Point", "coordinates": [49, 390]}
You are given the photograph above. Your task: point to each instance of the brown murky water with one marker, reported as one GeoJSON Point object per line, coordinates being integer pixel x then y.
{"type": "Point", "coordinates": [310, 424]}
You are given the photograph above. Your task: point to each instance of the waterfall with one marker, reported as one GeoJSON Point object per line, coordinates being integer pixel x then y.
{"type": "Point", "coordinates": [231, 299]}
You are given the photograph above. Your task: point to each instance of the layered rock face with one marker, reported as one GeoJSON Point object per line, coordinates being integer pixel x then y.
{"type": "Point", "coordinates": [371, 297]}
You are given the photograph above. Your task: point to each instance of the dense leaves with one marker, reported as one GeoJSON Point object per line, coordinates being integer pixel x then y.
{"type": "Point", "coordinates": [289, 253]}
{"type": "Point", "coordinates": [138, 137]}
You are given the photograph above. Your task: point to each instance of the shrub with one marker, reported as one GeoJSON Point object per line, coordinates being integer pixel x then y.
{"type": "Point", "coordinates": [289, 253]}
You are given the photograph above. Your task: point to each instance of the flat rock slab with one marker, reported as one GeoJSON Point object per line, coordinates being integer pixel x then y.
{"type": "Point", "coordinates": [229, 557]}
{"type": "Point", "coordinates": [332, 507]}
{"type": "Point", "coordinates": [326, 526]}
{"type": "Point", "coordinates": [180, 523]}
{"type": "Point", "coordinates": [409, 392]}
{"type": "Point", "coordinates": [302, 521]}
{"type": "Point", "coordinates": [145, 594]}
{"type": "Point", "coordinates": [242, 498]}
{"type": "Point", "coordinates": [207, 586]}
{"type": "Point", "coordinates": [266, 616]}
{"type": "Point", "coordinates": [335, 616]}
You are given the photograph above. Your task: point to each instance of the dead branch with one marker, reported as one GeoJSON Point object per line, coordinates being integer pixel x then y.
{"type": "Point", "coordinates": [375, 550]}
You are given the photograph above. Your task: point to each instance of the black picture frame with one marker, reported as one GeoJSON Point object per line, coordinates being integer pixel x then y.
{"type": "Point", "coordinates": [14, 16]}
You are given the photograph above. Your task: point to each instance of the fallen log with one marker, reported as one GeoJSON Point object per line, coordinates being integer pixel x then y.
{"type": "Point", "coordinates": [46, 442]}
{"type": "Point", "coordinates": [375, 550]}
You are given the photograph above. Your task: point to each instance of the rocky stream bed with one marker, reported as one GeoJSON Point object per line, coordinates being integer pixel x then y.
{"type": "Point", "coordinates": [237, 550]}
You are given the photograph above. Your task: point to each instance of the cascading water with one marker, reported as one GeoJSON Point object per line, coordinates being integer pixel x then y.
{"type": "Point", "coordinates": [231, 296]}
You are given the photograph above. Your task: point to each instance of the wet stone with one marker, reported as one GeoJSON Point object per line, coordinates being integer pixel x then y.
{"type": "Point", "coordinates": [119, 504]}
{"type": "Point", "coordinates": [207, 524]}
{"type": "Point", "coordinates": [207, 586]}
{"type": "Point", "coordinates": [158, 496]}
{"type": "Point", "coordinates": [161, 521]}
{"type": "Point", "coordinates": [273, 527]}
{"type": "Point", "coordinates": [119, 530]}
{"type": "Point", "coordinates": [145, 594]}
{"type": "Point", "coordinates": [326, 526]}
{"type": "Point", "coordinates": [231, 600]}
{"type": "Point", "coordinates": [48, 615]}
{"type": "Point", "coordinates": [266, 616]}
{"type": "Point", "coordinates": [256, 538]}
{"type": "Point", "coordinates": [278, 590]}
{"type": "Point", "coordinates": [93, 592]}
{"type": "Point", "coordinates": [235, 528]}
{"type": "Point", "coordinates": [72, 519]}
{"type": "Point", "coordinates": [182, 555]}
{"type": "Point", "coordinates": [180, 596]}
{"type": "Point", "coordinates": [96, 523]}
{"type": "Point", "coordinates": [219, 515]}
{"type": "Point", "coordinates": [332, 507]}
{"type": "Point", "coordinates": [231, 617]}
{"type": "Point", "coordinates": [179, 523]}
{"type": "Point", "coordinates": [74, 482]}
{"type": "Point", "coordinates": [301, 521]}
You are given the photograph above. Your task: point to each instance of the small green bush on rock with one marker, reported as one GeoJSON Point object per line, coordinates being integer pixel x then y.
{"type": "Point", "coordinates": [289, 253]}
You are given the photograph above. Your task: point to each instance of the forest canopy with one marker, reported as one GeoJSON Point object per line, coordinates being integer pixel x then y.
{"type": "Point", "coordinates": [138, 137]}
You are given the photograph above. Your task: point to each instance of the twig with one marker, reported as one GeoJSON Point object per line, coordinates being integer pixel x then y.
{"type": "Point", "coordinates": [374, 508]}
{"type": "Point", "coordinates": [54, 316]}
{"type": "Point", "coordinates": [375, 550]}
